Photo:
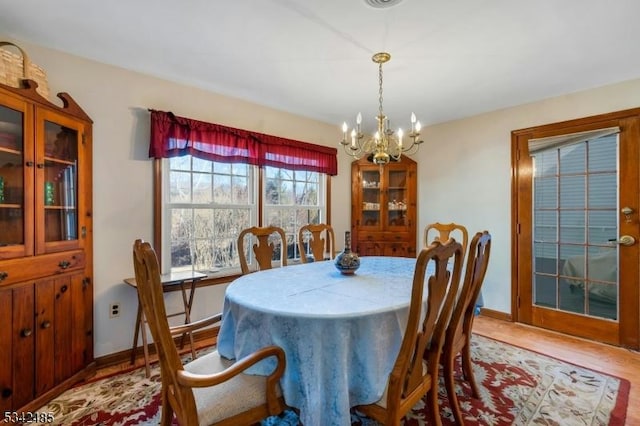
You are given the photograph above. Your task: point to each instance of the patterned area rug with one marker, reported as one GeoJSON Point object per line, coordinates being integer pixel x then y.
{"type": "Point", "coordinates": [517, 386]}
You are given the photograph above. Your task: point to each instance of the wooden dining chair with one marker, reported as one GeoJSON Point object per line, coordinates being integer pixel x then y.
{"type": "Point", "coordinates": [458, 337]}
{"type": "Point", "coordinates": [210, 390]}
{"type": "Point", "coordinates": [444, 232]}
{"type": "Point", "coordinates": [415, 372]}
{"type": "Point", "coordinates": [319, 238]}
{"type": "Point", "coordinates": [263, 250]}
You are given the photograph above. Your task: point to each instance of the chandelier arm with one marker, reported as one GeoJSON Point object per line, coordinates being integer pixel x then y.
{"type": "Point", "coordinates": [355, 153]}
{"type": "Point", "coordinates": [413, 148]}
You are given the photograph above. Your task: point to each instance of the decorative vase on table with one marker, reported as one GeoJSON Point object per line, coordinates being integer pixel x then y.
{"type": "Point", "coordinates": [347, 262]}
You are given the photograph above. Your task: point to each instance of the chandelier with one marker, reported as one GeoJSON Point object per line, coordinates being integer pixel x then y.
{"type": "Point", "coordinates": [385, 145]}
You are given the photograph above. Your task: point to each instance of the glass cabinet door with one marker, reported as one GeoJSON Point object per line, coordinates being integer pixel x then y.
{"type": "Point", "coordinates": [370, 198]}
{"type": "Point", "coordinates": [12, 184]}
{"type": "Point", "coordinates": [397, 198]}
{"type": "Point", "coordinates": [60, 182]}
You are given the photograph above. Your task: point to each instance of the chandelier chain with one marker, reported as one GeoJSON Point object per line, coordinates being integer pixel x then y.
{"type": "Point", "coordinates": [380, 89]}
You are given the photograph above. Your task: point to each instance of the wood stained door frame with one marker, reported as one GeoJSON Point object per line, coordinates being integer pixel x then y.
{"type": "Point", "coordinates": [628, 330]}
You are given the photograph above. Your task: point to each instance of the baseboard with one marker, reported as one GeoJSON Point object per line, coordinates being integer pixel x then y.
{"type": "Point", "coordinates": [490, 313]}
{"type": "Point", "coordinates": [124, 356]}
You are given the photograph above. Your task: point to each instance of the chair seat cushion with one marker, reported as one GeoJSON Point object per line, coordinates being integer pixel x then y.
{"type": "Point", "coordinates": [227, 399]}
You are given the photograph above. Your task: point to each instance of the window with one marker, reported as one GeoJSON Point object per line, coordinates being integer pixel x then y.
{"type": "Point", "coordinates": [205, 205]}
{"type": "Point", "coordinates": [212, 181]}
{"type": "Point", "coordinates": [292, 199]}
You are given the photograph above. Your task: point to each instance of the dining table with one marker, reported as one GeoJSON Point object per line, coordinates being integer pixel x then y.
{"type": "Point", "coordinates": [341, 334]}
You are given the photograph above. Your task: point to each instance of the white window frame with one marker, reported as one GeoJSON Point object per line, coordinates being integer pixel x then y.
{"type": "Point", "coordinates": [257, 196]}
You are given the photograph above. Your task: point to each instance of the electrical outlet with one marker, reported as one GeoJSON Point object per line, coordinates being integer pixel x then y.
{"type": "Point", "coordinates": [114, 310]}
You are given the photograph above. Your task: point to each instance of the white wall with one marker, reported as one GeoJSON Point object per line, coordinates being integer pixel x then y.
{"type": "Point", "coordinates": [465, 171]}
{"type": "Point", "coordinates": [117, 100]}
{"type": "Point", "coordinates": [463, 168]}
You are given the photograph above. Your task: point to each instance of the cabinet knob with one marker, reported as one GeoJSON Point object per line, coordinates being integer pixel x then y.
{"type": "Point", "coordinates": [3, 275]}
{"type": "Point", "coordinates": [6, 393]}
{"type": "Point", "coordinates": [26, 332]}
{"type": "Point", "coordinates": [29, 164]}
{"type": "Point", "coordinates": [40, 165]}
{"type": "Point", "coordinates": [64, 264]}
{"type": "Point", "coordinates": [46, 324]}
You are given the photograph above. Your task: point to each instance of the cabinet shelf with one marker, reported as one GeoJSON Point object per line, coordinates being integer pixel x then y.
{"type": "Point", "coordinates": [10, 206]}
{"type": "Point", "coordinates": [60, 161]}
{"type": "Point", "coordinates": [10, 150]}
{"type": "Point", "coordinates": [67, 208]}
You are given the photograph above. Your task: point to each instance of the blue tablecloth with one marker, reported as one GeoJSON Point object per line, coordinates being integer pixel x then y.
{"type": "Point", "coordinates": [341, 334]}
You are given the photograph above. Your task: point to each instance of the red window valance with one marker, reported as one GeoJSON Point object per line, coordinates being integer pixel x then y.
{"type": "Point", "coordinates": [173, 136]}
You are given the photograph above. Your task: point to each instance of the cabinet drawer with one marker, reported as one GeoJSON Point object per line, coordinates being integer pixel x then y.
{"type": "Point", "coordinates": [369, 236]}
{"type": "Point", "coordinates": [28, 268]}
{"type": "Point", "coordinates": [368, 248]}
{"type": "Point", "coordinates": [397, 237]}
{"type": "Point", "coordinates": [384, 236]}
{"type": "Point", "coordinates": [399, 249]}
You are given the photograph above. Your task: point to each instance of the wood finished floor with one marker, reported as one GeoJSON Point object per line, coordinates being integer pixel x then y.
{"type": "Point", "coordinates": [608, 359]}
{"type": "Point", "coordinates": [597, 356]}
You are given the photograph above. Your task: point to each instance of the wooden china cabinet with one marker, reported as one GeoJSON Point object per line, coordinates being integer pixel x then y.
{"type": "Point", "coordinates": [383, 213]}
{"type": "Point", "coordinates": [46, 249]}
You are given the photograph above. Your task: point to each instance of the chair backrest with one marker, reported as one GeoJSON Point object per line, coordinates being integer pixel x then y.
{"type": "Point", "coordinates": [263, 250]}
{"type": "Point", "coordinates": [424, 335]}
{"type": "Point", "coordinates": [320, 240]}
{"type": "Point", "coordinates": [462, 318]}
{"type": "Point", "coordinates": [151, 296]}
{"type": "Point", "coordinates": [444, 232]}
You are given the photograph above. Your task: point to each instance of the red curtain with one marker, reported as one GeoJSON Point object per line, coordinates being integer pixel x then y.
{"type": "Point", "coordinates": [173, 136]}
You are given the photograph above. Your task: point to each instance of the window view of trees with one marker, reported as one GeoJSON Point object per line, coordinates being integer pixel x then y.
{"type": "Point", "coordinates": [208, 203]}
{"type": "Point", "coordinates": [292, 199]}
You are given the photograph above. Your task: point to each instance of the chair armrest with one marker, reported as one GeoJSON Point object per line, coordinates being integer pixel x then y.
{"type": "Point", "coordinates": [186, 378]}
{"type": "Point", "coordinates": [195, 325]}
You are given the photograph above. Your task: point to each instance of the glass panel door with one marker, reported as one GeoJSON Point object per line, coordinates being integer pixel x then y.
{"type": "Point", "coordinates": [370, 198]}
{"type": "Point", "coordinates": [397, 198]}
{"type": "Point", "coordinates": [575, 228]}
{"type": "Point", "coordinates": [12, 209]}
{"type": "Point", "coordinates": [60, 183]}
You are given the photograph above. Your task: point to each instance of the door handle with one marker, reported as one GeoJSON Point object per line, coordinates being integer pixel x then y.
{"type": "Point", "coordinates": [626, 240]}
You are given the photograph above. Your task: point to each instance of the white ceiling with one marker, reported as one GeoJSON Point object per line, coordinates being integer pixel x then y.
{"type": "Point", "coordinates": [450, 58]}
